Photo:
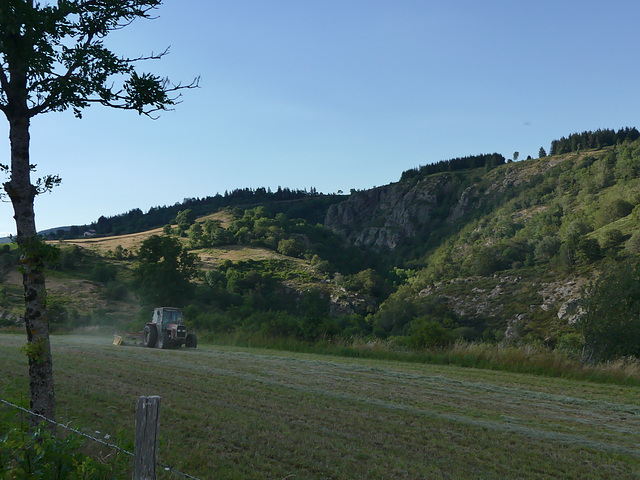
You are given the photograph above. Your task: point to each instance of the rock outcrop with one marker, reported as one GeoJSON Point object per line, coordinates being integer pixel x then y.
{"type": "Point", "coordinates": [385, 216]}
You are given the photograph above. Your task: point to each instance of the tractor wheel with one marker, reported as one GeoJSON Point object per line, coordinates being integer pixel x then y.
{"type": "Point", "coordinates": [149, 336]}
{"type": "Point", "coordinates": [163, 340]}
{"type": "Point", "coordinates": [191, 341]}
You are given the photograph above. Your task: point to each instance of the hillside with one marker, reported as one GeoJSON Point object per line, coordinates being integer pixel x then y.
{"type": "Point", "coordinates": [507, 251]}
{"type": "Point", "coordinates": [310, 205]}
{"type": "Point", "coordinates": [251, 266]}
{"type": "Point", "coordinates": [501, 251]}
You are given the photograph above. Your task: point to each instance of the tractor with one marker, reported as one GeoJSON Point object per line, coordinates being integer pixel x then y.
{"type": "Point", "coordinates": [167, 329]}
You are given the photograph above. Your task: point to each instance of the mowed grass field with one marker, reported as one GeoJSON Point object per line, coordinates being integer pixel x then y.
{"type": "Point", "coordinates": [230, 413]}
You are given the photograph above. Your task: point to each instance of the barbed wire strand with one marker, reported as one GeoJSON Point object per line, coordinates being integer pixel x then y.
{"type": "Point", "coordinates": [82, 434]}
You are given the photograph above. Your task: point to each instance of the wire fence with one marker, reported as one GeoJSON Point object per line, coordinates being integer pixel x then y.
{"type": "Point", "coordinates": [167, 468]}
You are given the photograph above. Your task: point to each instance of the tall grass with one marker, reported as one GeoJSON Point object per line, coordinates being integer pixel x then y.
{"type": "Point", "coordinates": [539, 360]}
{"type": "Point", "coordinates": [530, 359]}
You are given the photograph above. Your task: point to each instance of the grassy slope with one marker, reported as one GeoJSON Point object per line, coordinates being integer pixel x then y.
{"type": "Point", "coordinates": [241, 413]}
{"type": "Point", "coordinates": [75, 291]}
{"type": "Point", "coordinates": [519, 205]}
{"type": "Point", "coordinates": [130, 241]}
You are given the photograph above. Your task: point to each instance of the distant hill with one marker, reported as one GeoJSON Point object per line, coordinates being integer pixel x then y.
{"type": "Point", "coordinates": [46, 233]}
{"type": "Point", "coordinates": [310, 205]}
{"type": "Point", "coordinates": [476, 248]}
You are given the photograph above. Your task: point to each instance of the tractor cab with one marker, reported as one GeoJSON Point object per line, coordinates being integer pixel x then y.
{"type": "Point", "coordinates": [166, 316]}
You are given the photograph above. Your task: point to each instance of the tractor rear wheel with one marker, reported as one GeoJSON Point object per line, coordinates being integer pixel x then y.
{"type": "Point", "coordinates": [149, 336]}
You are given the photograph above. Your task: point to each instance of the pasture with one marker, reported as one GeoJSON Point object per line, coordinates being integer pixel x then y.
{"type": "Point", "coordinates": [230, 413]}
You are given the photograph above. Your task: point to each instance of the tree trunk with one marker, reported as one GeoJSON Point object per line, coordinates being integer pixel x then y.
{"type": "Point", "coordinates": [22, 194]}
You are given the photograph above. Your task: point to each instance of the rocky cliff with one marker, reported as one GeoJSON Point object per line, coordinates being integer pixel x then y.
{"type": "Point", "coordinates": [384, 216]}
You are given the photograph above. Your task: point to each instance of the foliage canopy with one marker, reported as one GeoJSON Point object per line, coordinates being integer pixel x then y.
{"type": "Point", "coordinates": [611, 324]}
{"type": "Point", "coordinates": [164, 272]}
{"type": "Point", "coordinates": [55, 55]}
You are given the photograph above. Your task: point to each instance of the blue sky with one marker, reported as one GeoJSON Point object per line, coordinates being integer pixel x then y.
{"type": "Point", "coordinates": [338, 95]}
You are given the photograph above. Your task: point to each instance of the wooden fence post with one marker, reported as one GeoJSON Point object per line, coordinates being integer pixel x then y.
{"type": "Point", "coordinates": [146, 442]}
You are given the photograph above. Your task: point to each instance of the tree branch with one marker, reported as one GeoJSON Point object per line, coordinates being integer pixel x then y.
{"type": "Point", "coordinates": [150, 57]}
{"type": "Point", "coordinates": [126, 102]}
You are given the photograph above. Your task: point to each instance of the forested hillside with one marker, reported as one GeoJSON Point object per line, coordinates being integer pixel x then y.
{"type": "Point", "coordinates": [476, 249]}
{"type": "Point", "coordinates": [309, 205]}
{"type": "Point", "coordinates": [504, 252]}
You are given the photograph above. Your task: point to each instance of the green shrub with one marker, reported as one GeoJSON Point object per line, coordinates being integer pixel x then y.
{"type": "Point", "coordinates": [425, 332]}
{"type": "Point", "coordinates": [482, 261]}
{"type": "Point", "coordinates": [116, 291]}
{"type": "Point", "coordinates": [103, 272]}
{"type": "Point", "coordinates": [610, 324]}
{"type": "Point", "coordinates": [368, 282]}
{"type": "Point", "coordinates": [547, 248]}
{"type": "Point", "coordinates": [7, 322]}
{"type": "Point", "coordinates": [68, 259]}
{"type": "Point", "coordinates": [588, 250]}
{"type": "Point", "coordinates": [36, 454]}
{"type": "Point", "coordinates": [291, 247]}
{"type": "Point", "coordinates": [612, 238]}
{"type": "Point", "coordinates": [185, 218]}
{"type": "Point", "coordinates": [572, 342]}
{"type": "Point", "coordinates": [613, 210]}
{"type": "Point", "coordinates": [274, 324]}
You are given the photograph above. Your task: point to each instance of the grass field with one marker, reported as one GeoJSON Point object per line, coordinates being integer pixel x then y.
{"type": "Point", "coordinates": [230, 413]}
